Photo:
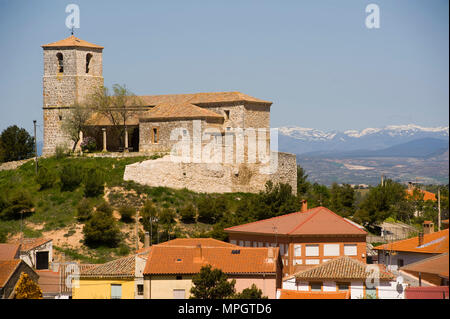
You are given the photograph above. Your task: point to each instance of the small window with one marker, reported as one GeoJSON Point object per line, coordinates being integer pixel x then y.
{"type": "Point", "coordinates": [155, 135]}
{"type": "Point", "coordinates": [60, 62]}
{"type": "Point", "coordinates": [179, 294]}
{"type": "Point", "coordinates": [343, 286]}
{"type": "Point", "coordinates": [400, 262]}
{"type": "Point", "coordinates": [371, 293]}
{"type": "Point", "coordinates": [116, 291]}
{"type": "Point", "coordinates": [350, 250]}
{"type": "Point", "coordinates": [312, 250]}
{"type": "Point", "coordinates": [227, 114]}
{"type": "Point", "coordinates": [316, 286]}
{"type": "Point", "coordinates": [140, 290]}
{"type": "Point", "coordinates": [179, 277]}
{"type": "Point", "coordinates": [88, 60]}
{"type": "Point", "coordinates": [297, 250]}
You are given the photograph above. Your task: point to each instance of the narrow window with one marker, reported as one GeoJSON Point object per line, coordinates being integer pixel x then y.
{"type": "Point", "coordinates": [343, 286]}
{"type": "Point", "coordinates": [155, 135]}
{"type": "Point", "coordinates": [116, 291]}
{"type": "Point", "coordinates": [88, 60]}
{"type": "Point", "coordinates": [316, 286]}
{"type": "Point", "coordinates": [60, 62]}
{"type": "Point", "coordinates": [140, 290]}
{"type": "Point", "coordinates": [227, 115]}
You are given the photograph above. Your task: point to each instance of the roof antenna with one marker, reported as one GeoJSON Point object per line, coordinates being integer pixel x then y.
{"type": "Point", "coordinates": [72, 30]}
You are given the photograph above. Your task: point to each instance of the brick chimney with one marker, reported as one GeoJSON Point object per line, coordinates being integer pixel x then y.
{"type": "Point", "coordinates": [198, 254]}
{"type": "Point", "coordinates": [420, 238]}
{"type": "Point", "coordinates": [304, 206]}
{"type": "Point", "coordinates": [428, 227]}
{"type": "Point", "coordinates": [146, 239]}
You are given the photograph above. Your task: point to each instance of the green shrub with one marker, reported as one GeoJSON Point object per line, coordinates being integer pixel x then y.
{"type": "Point", "coordinates": [16, 204]}
{"type": "Point", "coordinates": [127, 213]}
{"type": "Point", "coordinates": [61, 151]}
{"type": "Point", "coordinates": [210, 209]}
{"type": "Point", "coordinates": [45, 178]}
{"type": "Point", "coordinates": [187, 214]}
{"type": "Point", "coordinates": [84, 210]}
{"type": "Point", "coordinates": [71, 177]}
{"type": "Point", "coordinates": [101, 230]}
{"type": "Point", "coordinates": [105, 208]}
{"type": "Point", "coordinates": [94, 183]}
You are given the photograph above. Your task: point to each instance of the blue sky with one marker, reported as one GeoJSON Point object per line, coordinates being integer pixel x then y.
{"type": "Point", "coordinates": [315, 59]}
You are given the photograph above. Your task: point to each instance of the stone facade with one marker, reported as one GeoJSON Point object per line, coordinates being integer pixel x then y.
{"type": "Point", "coordinates": [63, 89]}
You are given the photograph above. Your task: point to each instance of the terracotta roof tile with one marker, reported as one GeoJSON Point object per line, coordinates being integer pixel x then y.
{"type": "Point", "coordinates": [426, 195]}
{"type": "Point", "coordinates": [194, 242]}
{"type": "Point", "coordinates": [166, 259]}
{"type": "Point", "coordinates": [72, 41]}
{"type": "Point", "coordinates": [437, 265]}
{"type": "Point", "coordinates": [339, 268]}
{"type": "Point", "coordinates": [294, 294]}
{"type": "Point", "coordinates": [49, 281]}
{"type": "Point", "coordinates": [7, 268]}
{"type": "Point", "coordinates": [201, 98]}
{"type": "Point", "coordinates": [9, 251]}
{"type": "Point", "coordinates": [122, 267]}
{"type": "Point", "coordinates": [316, 221]}
{"type": "Point", "coordinates": [29, 243]}
{"type": "Point", "coordinates": [180, 110]}
{"type": "Point", "coordinates": [434, 243]}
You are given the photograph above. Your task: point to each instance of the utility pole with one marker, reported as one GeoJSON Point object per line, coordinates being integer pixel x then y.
{"type": "Point", "coordinates": [35, 147]}
{"type": "Point", "coordinates": [439, 209]}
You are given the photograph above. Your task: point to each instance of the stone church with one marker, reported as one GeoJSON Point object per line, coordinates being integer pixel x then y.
{"type": "Point", "coordinates": [73, 71]}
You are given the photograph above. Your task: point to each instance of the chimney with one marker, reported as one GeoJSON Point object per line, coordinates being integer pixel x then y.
{"type": "Point", "coordinates": [146, 239]}
{"type": "Point", "coordinates": [420, 238]}
{"type": "Point", "coordinates": [270, 254]}
{"type": "Point", "coordinates": [428, 227]}
{"type": "Point", "coordinates": [304, 205]}
{"type": "Point", "coordinates": [198, 253]}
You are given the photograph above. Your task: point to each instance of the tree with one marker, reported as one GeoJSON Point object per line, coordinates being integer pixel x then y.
{"type": "Point", "coordinates": [94, 183]}
{"type": "Point", "coordinates": [14, 204]}
{"type": "Point", "coordinates": [210, 209]}
{"type": "Point", "coordinates": [342, 199]}
{"type": "Point", "coordinates": [75, 121]}
{"type": "Point", "coordinates": [302, 183]}
{"type": "Point", "coordinates": [127, 213]}
{"type": "Point", "coordinates": [101, 229]}
{"type": "Point", "coordinates": [71, 177]}
{"type": "Point", "coordinates": [26, 288]}
{"type": "Point", "coordinates": [187, 214]}
{"type": "Point", "coordinates": [211, 283]}
{"type": "Point", "coordinates": [15, 144]}
{"type": "Point", "coordinates": [251, 293]}
{"type": "Point", "coordinates": [84, 210]}
{"type": "Point", "coordinates": [150, 217]}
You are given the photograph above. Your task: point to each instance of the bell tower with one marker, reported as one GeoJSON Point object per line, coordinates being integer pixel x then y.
{"type": "Point", "coordinates": [72, 71]}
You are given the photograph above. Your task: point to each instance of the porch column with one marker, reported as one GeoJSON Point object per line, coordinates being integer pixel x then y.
{"type": "Point", "coordinates": [126, 140]}
{"type": "Point", "coordinates": [104, 139]}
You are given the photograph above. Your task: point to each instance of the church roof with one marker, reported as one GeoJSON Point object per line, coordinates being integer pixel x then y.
{"type": "Point", "coordinates": [201, 98]}
{"type": "Point", "coordinates": [72, 41]}
{"type": "Point", "coordinates": [179, 110]}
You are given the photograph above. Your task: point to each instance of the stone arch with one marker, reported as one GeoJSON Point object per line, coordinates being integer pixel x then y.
{"type": "Point", "coordinates": [88, 60]}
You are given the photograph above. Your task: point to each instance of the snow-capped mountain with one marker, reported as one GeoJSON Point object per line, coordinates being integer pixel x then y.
{"type": "Point", "coordinates": [301, 140]}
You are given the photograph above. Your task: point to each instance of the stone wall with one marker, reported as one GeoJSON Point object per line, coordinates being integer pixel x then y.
{"type": "Point", "coordinates": [169, 171]}
{"type": "Point", "coordinates": [14, 164]}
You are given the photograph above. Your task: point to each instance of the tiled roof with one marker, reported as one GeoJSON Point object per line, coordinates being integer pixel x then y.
{"type": "Point", "coordinates": [438, 292]}
{"type": "Point", "coordinates": [179, 110]}
{"type": "Point", "coordinates": [434, 243]}
{"type": "Point", "coordinates": [294, 294]}
{"type": "Point", "coordinates": [201, 98]}
{"type": "Point", "coordinates": [27, 244]}
{"type": "Point", "coordinates": [340, 268]}
{"type": "Point", "coordinates": [49, 281]}
{"type": "Point", "coordinates": [426, 195]}
{"type": "Point", "coordinates": [194, 242]}
{"type": "Point", "coordinates": [7, 268]}
{"type": "Point", "coordinates": [72, 41]}
{"type": "Point", "coordinates": [437, 265]}
{"type": "Point", "coordinates": [166, 259]}
{"type": "Point", "coordinates": [123, 267]}
{"type": "Point", "coordinates": [316, 221]}
{"type": "Point", "coordinates": [9, 251]}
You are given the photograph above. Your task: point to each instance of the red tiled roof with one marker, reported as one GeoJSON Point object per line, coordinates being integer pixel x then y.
{"type": "Point", "coordinates": [201, 98]}
{"type": "Point", "coordinates": [426, 195]}
{"type": "Point", "coordinates": [193, 242]}
{"type": "Point", "coordinates": [437, 265]}
{"type": "Point", "coordinates": [179, 110]}
{"type": "Point", "coordinates": [27, 244]}
{"type": "Point", "coordinates": [316, 221]}
{"type": "Point", "coordinates": [294, 294]}
{"type": "Point", "coordinates": [426, 292]}
{"type": "Point", "coordinates": [72, 41]}
{"type": "Point", "coordinates": [340, 268]}
{"type": "Point", "coordinates": [9, 251]}
{"type": "Point", "coordinates": [434, 243]}
{"type": "Point", "coordinates": [49, 281]}
{"type": "Point", "coordinates": [166, 259]}
{"type": "Point", "coordinates": [122, 267]}
{"type": "Point", "coordinates": [7, 268]}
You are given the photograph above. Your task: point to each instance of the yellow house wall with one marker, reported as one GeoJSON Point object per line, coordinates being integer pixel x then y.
{"type": "Point", "coordinates": [101, 289]}
{"type": "Point", "coordinates": [162, 287]}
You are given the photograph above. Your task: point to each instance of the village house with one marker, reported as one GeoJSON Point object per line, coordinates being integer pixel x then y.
{"type": "Point", "coordinates": [36, 252]}
{"type": "Point", "coordinates": [10, 272]}
{"type": "Point", "coordinates": [404, 252]}
{"type": "Point", "coordinates": [171, 266]}
{"type": "Point", "coordinates": [308, 237]}
{"type": "Point", "coordinates": [118, 279]}
{"type": "Point", "coordinates": [295, 294]}
{"type": "Point", "coordinates": [433, 270]}
{"type": "Point", "coordinates": [344, 274]}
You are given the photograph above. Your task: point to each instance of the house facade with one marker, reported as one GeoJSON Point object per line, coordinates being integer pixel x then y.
{"type": "Point", "coordinates": [305, 238]}
{"type": "Point", "coordinates": [36, 252]}
{"type": "Point", "coordinates": [171, 267]}
{"type": "Point", "coordinates": [10, 272]}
